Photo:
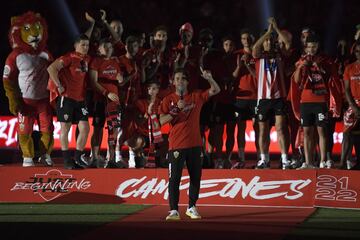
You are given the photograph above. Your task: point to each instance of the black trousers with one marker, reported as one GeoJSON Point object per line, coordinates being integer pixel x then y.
{"type": "Point", "coordinates": [177, 159]}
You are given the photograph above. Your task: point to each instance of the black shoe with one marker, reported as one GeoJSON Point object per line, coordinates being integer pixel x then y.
{"type": "Point", "coordinates": [262, 165]}
{"type": "Point", "coordinates": [119, 164]}
{"type": "Point", "coordinates": [94, 163]}
{"type": "Point", "coordinates": [81, 162]}
{"type": "Point", "coordinates": [69, 164]}
{"type": "Point", "coordinates": [238, 165]}
{"type": "Point", "coordinates": [140, 162]}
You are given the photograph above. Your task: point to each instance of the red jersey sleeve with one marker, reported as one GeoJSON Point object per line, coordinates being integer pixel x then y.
{"type": "Point", "coordinates": [94, 64]}
{"type": "Point", "coordinates": [141, 105]}
{"type": "Point", "coordinates": [10, 70]}
{"type": "Point", "coordinates": [66, 59]}
{"type": "Point", "coordinates": [204, 96]}
{"type": "Point", "coordinates": [164, 107]}
{"type": "Point", "coordinates": [346, 73]}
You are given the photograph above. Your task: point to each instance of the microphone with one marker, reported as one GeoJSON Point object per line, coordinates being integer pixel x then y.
{"type": "Point", "coordinates": [181, 91]}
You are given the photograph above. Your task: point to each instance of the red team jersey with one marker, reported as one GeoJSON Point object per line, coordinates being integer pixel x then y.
{"type": "Point", "coordinates": [319, 77]}
{"type": "Point", "coordinates": [131, 90]}
{"type": "Point", "coordinates": [352, 74]}
{"type": "Point", "coordinates": [142, 107]}
{"type": "Point", "coordinates": [185, 129]}
{"type": "Point", "coordinates": [119, 49]}
{"type": "Point", "coordinates": [73, 76]}
{"type": "Point", "coordinates": [246, 84]}
{"type": "Point", "coordinates": [192, 66]}
{"type": "Point", "coordinates": [107, 70]}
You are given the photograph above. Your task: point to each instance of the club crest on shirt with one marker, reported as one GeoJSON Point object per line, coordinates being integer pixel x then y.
{"type": "Point", "coordinates": [176, 154]}
{"type": "Point", "coordinates": [66, 117]}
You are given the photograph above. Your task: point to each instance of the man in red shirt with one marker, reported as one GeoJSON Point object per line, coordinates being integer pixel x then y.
{"type": "Point", "coordinates": [128, 94]}
{"type": "Point", "coordinates": [271, 94]}
{"type": "Point", "coordinates": [246, 93]}
{"type": "Point", "coordinates": [105, 77]}
{"type": "Point", "coordinates": [186, 55]}
{"type": "Point", "coordinates": [314, 76]}
{"type": "Point", "coordinates": [68, 73]}
{"type": "Point", "coordinates": [352, 93]}
{"type": "Point", "coordinates": [182, 110]}
{"type": "Point", "coordinates": [156, 62]}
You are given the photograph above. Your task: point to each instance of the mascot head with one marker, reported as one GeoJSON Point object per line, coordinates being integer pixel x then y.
{"type": "Point", "coordinates": [28, 32]}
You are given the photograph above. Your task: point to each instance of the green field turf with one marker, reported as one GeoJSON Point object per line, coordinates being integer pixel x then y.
{"type": "Point", "coordinates": [327, 223]}
{"type": "Point", "coordinates": [25, 221]}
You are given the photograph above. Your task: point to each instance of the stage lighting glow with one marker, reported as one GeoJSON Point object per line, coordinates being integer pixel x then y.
{"type": "Point", "coordinates": [266, 12]}
{"type": "Point", "coordinates": [66, 16]}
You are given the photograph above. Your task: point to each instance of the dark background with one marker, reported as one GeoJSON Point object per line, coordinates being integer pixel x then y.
{"type": "Point", "coordinates": [331, 19]}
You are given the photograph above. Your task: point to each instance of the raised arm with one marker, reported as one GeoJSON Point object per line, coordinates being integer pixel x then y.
{"type": "Point", "coordinates": [282, 36]}
{"type": "Point", "coordinates": [92, 24]}
{"type": "Point", "coordinates": [116, 38]}
{"type": "Point", "coordinates": [214, 87]}
{"type": "Point", "coordinates": [256, 52]}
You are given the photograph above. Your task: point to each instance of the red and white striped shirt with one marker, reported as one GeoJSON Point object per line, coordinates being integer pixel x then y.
{"type": "Point", "coordinates": [269, 79]}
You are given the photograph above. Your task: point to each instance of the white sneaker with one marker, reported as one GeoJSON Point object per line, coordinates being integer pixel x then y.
{"type": "Point", "coordinates": [350, 163]}
{"type": "Point", "coordinates": [193, 213]}
{"type": "Point", "coordinates": [261, 164]}
{"type": "Point", "coordinates": [173, 216]}
{"type": "Point", "coordinates": [329, 164]}
{"type": "Point", "coordinates": [306, 166]}
{"type": "Point", "coordinates": [46, 159]}
{"type": "Point", "coordinates": [28, 162]}
{"type": "Point", "coordinates": [286, 164]}
{"type": "Point", "coordinates": [322, 165]}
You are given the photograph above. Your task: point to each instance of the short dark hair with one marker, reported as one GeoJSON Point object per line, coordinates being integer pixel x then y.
{"type": "Point", "coordinates": [312, 38]}
{"type": "Point", "coordinates": [159, 28]}
{"type": "Point", "coordinates": [131, 39]}
{"type": "Point", "coordinates": [244, 30]}
{"type": "Point", "coordinates": [81, 37]}
{"type": "Point", "coordinates": [104, 40]}
{"type": "Point", "coordinates": [183, 71]}
{"type": "Point", "coordinates": [226, 38]}
{"type": "Point", "coordinates": [153, 81]}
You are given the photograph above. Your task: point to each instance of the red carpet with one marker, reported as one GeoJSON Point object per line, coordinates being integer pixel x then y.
{"type": "Point", "coordinates": [217, 223]}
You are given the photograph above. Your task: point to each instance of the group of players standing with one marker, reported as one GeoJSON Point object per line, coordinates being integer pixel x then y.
{"type": "Point", "coordinates": [136, 90]}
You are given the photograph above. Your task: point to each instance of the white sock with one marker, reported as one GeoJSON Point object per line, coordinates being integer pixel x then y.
{"type": "Point", "coordinates": [264, 157]}
{"type": "Point", "coordinates": [131, 159]}
{"type": "Point", "coordinates": [118, 156]}
{"type": "Point", "coordinates": [284, 157]}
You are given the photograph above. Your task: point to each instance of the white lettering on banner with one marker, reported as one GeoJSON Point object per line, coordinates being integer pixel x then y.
{"type": "Point", "coordinates": [52, 184]}
{"type": "Point", "coordinates": [330, 188]}
{"type": "Point", "coordinates": [227, 188]}
{"type": "Point", "coordinates": [57, 185]}
{"type": "Point", "coordinates": [8, 131]}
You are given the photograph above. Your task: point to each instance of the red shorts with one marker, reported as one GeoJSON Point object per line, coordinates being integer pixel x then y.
{"type": "Point", "coordinates": [39, 110]}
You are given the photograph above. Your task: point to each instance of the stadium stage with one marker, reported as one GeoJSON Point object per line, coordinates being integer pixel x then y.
{"type": "Point", "coordinates": [247, 187]}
